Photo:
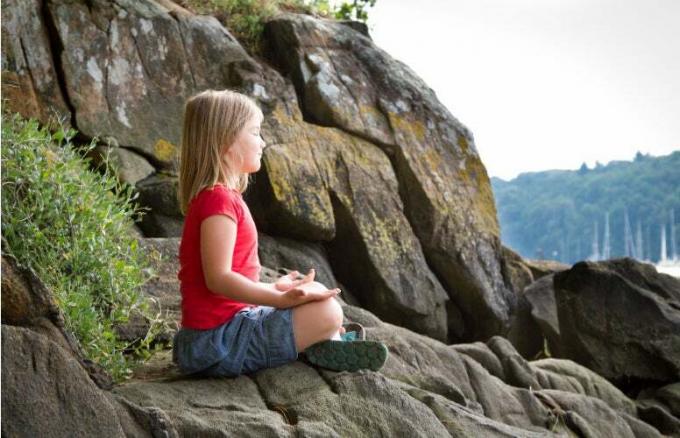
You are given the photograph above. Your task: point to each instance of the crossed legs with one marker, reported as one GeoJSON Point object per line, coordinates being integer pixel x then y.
{"type": "Point", "coordinates": [316, 321]}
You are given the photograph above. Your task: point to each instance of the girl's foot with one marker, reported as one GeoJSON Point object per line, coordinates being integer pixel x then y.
{"type": "Point", "coordinates": [352, 331]}
{"type": "Point", "coordinates": [348, 355]}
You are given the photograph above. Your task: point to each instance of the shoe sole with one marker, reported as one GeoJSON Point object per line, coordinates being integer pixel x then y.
{"type": "Point", "coordinates": [348, 356]}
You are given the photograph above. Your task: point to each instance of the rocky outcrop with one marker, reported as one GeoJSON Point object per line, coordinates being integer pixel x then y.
{"type": "Point", "coordinates": [127, 68]}
{"type": "Point", "coordinates": [342, 79]}
{"type": "Point", "coordinates": [621, 319]}
{"type": "Point", "coordinates": [426, 388]}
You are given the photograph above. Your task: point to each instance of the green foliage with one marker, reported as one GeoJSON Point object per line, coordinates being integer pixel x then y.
{"type": "Point", "coordinates": [354, 10]}
{"type": "Point", "coordinates": [553, 214]}
{"type": "Point", "coordinates": [246, 18]}
{"type": "Point", "coordinates": [72, 226]}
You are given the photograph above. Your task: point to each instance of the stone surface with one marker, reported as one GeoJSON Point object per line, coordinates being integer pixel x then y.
{"type": "Point", "coordinates": [27, 302]}
{"type": "Point", "coordinates": [30, 82]}
{"type": "Point", "coordinates": [158, 194]}
{"type": "Point", "coordinates": [281, 252]}
{"type": "Point", "coordinates": [343, 80]}
{"type": "Point", "coordinates": [426, 389]}
{"type": "Point", "coordinates": [128, 166]}
{"type": "Point", "coordinates": [541, 268]}
{"type": "Point", "coordinates": [129, 67]}
{"type": "Point", "coordinates": [621, 319]}
{"type": "Point", "coordinates": [346, 187]}
{"type": "Point", "coordinates": [45, 391]}
{"type": "Point", "coordinates": [515, 272]}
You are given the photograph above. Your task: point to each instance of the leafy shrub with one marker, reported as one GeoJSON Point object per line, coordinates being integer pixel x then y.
{"type": "Point", "coordinates": [354, 10]}
{"type": "Point", "coordinates": [73, 228]}
{"type": "Point", "coordinates": [246, 18]}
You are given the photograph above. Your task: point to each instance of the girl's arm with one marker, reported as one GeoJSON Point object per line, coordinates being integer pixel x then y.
{"type": "Point", "coordinates": [218, 237]}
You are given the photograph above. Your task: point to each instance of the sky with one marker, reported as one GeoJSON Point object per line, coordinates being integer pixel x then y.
{"type": "Point", "coordinates": [546, 84]}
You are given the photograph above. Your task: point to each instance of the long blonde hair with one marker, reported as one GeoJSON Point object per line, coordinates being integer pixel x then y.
{"type": "Point", "coordinates": [212, 121]}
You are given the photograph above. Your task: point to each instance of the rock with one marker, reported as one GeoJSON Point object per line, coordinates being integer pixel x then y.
{"type": "Point", "coordinates": [535, 326]}
{"type": "Point", "coordinates": [515, 271]}
{"type": "Point", "coordinates": [658, 415]}
{"type": "Point", "coordinates": [130, 66]}
{"type": "Point", "coordinates": [45, 391]}
{"type": "Point", "coordinates": [670, 395]}
{"type": "Point", "coordinates": [565, 375]}
{"type": "Point", "coordinates": [158, 194]}
{"type": "Point", "coordinates": [621, 319]}
{"type": "Point", "coordinates": [27, 302]}
{"type": "Point", "coordinates": [425, 389]}
{"type": "Point", "coordinates": [281, 252]}
{"type": "Point", "coordinates": [541, 297]}
{"type": "Point", "coordinates": [481, 352]}
{"type": "Point", "coordinates": [128, 166]}
{"type": "Point", "coordinates": [525, 334]}
{"type": "Point", "coordinates": [344, 192]}
{"type": "Point", "coordinates": [343, 80]}
{"type": "Point", "coordinates": [24, 297]}
{"type": "Point", "coordinates": [541, 268]}
{"type": "Point", "coordinates": [30, 82]}
{"type": "Point", "coordinates": [589, 416]}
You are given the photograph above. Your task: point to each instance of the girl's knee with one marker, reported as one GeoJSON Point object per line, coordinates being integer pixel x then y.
{"type": "Point", "coordinates": [327, 314]}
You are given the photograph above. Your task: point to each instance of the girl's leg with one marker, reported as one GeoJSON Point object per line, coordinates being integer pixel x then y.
{"type": "Point", "coordinates": [316, 321]}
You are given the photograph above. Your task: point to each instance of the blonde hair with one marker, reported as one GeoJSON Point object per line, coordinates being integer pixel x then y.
{"type": "Point", "coordinates": [212, 121]}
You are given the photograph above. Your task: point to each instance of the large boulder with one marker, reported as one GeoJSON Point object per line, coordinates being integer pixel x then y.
{"type": "Point", "coordinates": [324, 184]}
{"type": "Point", "coordinates": [621, 319]}
{"type": "Point", "coordinates": [45, 391]}
{"type": "Point", "coordinates": [343, 80]}
{"type": "Point", "coordinates": [30, 80]}
{"type": "Point", "coordinates": [129, 67]}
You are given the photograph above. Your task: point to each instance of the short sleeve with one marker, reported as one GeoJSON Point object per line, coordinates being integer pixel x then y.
{"type": "Point", "coordinates": [219, 200]}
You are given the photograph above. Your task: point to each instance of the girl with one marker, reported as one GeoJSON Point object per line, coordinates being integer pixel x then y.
{"type": "Point", "coordinates": [231, 322]}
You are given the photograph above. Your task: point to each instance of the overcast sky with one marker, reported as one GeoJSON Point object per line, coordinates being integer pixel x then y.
{"type": "Point", "coordinates": [546, 84]}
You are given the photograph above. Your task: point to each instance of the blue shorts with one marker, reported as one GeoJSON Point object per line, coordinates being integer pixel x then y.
{"type": "Point", "coordinates": [255, 338]}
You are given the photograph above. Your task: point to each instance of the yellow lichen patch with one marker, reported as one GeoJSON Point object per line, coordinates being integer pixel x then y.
{"type": "Point", "coordinates": [432, 159]}
{"type": "Point", "coordinates": [474, 174]}
{"type": "Point", "coordinates": [163, 150]}
{"type": "Point", "coordinates": [463, 144]}
{"type": "Point", "coordinates": [404, 127]}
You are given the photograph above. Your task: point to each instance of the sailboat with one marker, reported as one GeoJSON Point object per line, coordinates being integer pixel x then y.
{"type": "Point", "coordinates": [669, 265]}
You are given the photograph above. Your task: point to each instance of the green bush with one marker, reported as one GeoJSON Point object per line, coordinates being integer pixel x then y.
{"type": "Point", "coordinates": [72, 226]}
{"type": "Point", "coordinates": [246, 18]}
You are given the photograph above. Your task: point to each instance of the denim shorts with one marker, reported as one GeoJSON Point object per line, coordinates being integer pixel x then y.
{"type": "Point", "coordinates": [255, 338]}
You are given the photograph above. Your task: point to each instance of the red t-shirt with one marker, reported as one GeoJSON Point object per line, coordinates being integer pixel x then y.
{"type": "Point", "coordinates": [202, 308]}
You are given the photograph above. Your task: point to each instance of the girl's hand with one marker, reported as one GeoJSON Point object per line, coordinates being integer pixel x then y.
{"type": "Point", "coordinates": [288, 282]}
{"type": "Point", "coordinates": [295, 297]}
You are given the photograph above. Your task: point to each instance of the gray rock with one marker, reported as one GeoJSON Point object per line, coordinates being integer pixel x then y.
{"type": "Point", "coordinates": [670, 395]}
{"type": "Point", "coordinates": [343, 80]}
{"type": "Point", "coordinates": [45, 391]}
{"type": "Point", "coordinates": [285, 253]}
{"type": "Point", "coordinates": [129, 67]}
{"type": "Point", "coordinates": [158, 194]}
{"type": "Point", "coordinates": [589, 416]}
{"type": "Point", "coordinates": [30, 84]}
{"type": "Point", "coordinates": [621, 319]}
{"type": "Point", "coordinates": [541, 268]}
{"type": "Point", "coordinates": [128, 166]}
{"type": "Point", "coordinates": [565, 375]}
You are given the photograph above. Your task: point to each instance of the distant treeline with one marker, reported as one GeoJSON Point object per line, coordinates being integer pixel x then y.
{"type": "Point", "coordinates": [558, 214]}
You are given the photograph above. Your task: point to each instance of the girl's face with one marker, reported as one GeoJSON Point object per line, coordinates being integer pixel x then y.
{"type": "Point", "coordinates": [246, 152]}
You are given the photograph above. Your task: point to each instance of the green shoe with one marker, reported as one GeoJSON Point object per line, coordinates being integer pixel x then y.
{"type": "Point", "coordinates": [347, 355]}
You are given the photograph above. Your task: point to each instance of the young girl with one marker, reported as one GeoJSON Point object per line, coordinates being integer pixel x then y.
{"type": "Point", "coordinates": [231, 322]}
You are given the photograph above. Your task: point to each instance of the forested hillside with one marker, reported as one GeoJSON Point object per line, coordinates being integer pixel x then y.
{"type": "Point", "coordinates": [562, 214]}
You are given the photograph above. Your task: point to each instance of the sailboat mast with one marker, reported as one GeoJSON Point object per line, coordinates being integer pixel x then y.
{"type": "Point", "coordinates": [674, 252]}
{"type": "Point", "coordinates": [606, 246]}
{"type": "Point", "coordinates": [663, 243]}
